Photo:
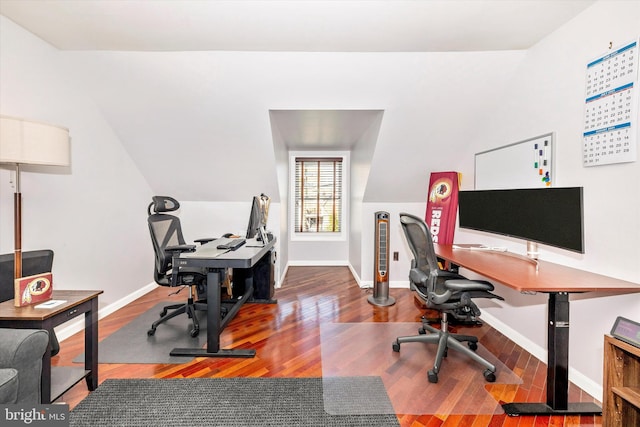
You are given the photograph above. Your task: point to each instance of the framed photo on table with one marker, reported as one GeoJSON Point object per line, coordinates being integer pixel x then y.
{"type": "Point", "coordinates": [33, 289]}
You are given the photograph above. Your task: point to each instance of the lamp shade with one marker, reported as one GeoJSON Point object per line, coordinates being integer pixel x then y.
{"type": "Point", "coordinates": [33, 143]}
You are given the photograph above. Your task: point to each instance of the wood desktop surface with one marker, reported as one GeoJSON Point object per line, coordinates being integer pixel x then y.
{"type": "Point", "coordinates": [29, 312]}
{"type": "Point", "coordinates": [521, 275]}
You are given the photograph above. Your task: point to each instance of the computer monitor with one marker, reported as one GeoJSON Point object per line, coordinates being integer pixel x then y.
{"type": "Point", "coordinates": [551, 216]}
{"type": "Point", "coordinates": [258, 218]}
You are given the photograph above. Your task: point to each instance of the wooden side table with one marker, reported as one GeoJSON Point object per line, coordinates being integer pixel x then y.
{"type": "Point", "coordinates": [621, 400]}
{"type": "Point", "coordinates": [58, 380]}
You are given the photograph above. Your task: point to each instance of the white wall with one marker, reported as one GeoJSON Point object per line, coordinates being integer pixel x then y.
{"type": "Point", "coordinates": [360, 169]}
{"type": "Point", "coordinates": [546, 94]}
{"type": "Point", "coordinates": [94, 218]}
{"type": "Point", "coordinates": [282, 168]}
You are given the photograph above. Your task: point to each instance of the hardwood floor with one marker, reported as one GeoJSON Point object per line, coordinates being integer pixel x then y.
{"type": "Point", "coordinates": [287, 339]}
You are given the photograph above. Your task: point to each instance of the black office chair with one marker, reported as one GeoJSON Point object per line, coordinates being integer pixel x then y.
{"type": "Point", "coordinates": [167, 239]}
{"type": "Point", "coordinates": [33, 262]}
{"type": "Point", "coordinates": [444, 291]}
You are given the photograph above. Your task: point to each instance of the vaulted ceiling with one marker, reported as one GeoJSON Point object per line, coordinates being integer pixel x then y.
{"type": "Point", "coordinates": [160, 72]}
{"type": "Point", "coordinates": [292, 25]}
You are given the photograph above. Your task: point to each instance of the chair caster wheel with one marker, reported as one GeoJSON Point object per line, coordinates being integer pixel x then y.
{"type": "Point", "coordinates": [421, 331]}
{"type": "Point", "coordinates": [396, 346]}
{"type": "Point", "coordinates": [151, 332]}
{"type": "Point", "coordinates": [472, 345]}
{"type": "Point", "coordinates": [432, 376]}
{"type": "Point", "coordinates": [490, 376]}
{"type": "Point", "coordinates": [194, 332]}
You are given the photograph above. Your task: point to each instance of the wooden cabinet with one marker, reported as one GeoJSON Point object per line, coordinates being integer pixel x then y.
{"type": "Point", "coordinates": [621, 401]}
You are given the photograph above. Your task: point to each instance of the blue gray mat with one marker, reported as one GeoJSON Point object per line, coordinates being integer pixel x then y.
{"type": "Point", "coordinates": [229, 402]}
{"type": "Point", "coordinates": [131, 344]}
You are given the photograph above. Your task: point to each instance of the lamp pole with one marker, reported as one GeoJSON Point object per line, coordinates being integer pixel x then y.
{"type": "Point", "coordinates": [17, 227]}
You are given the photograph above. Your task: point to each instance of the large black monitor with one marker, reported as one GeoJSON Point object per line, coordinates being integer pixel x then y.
{"type": "Point", "coordinates": [258, 217]}
{"type": "Point", "coordinates": [551, 216]}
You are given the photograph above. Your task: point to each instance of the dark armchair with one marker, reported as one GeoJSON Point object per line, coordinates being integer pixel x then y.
{"type": "Point", "coordinates": [33, 262]}
{"type": "Point", "coordinates": [168, 241]}
{"type": "Point", "coordinates": [444, 291]}
{"type": "Point", "coordinates": [21, 365]}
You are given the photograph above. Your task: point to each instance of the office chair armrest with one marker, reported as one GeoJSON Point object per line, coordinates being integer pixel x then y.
{"type": "Point", "coordinates": [205, 240]}
{"type": "Point", "coordinates": [180, 248]}
{"type": "Point", "coordinates": [418, 276]}
{"type": "Point", "coordinates": [468, 285]}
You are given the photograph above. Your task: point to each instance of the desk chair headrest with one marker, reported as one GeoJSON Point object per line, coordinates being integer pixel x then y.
{"type": "Point", "coordinates": [163, 204]}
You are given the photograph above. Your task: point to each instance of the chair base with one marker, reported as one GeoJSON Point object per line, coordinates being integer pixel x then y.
{"type": "Point", "coordinates": [190, 308]}
{"type": "Point", "coordinates": [446, 340]}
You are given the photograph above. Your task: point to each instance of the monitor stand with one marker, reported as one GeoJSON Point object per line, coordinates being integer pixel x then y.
{"type": "Point", "coordinates": [528, 258]}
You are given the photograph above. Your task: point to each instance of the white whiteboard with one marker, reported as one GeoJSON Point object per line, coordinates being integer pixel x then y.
{"type": "Point", "coordinates": [523, 164]}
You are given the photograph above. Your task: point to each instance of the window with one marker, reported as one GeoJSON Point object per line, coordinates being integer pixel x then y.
{"type": "Point", "coordinates": [318, 195]}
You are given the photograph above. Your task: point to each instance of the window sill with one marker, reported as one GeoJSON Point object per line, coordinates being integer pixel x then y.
{"type": "Point", "coordinates": [318, 237]}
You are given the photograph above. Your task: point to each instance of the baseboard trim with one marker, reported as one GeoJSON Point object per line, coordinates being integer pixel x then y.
{"type": "Point", "coordinates": [318, 263]}
{"type": "Point", "coordinates": [355, 276]}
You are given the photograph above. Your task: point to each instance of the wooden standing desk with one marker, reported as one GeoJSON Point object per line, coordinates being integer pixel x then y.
{"type": "Point", "coordinates": [558, 281]}
{"type": "Point", "coordinates": [56, 381]}
{"type": "Point", "coordinates": [216, 261]}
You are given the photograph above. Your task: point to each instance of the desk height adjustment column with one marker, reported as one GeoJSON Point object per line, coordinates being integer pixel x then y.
{"type": "Point", "coordinates": [557, 334]}
{"type": "Point", "coordinates": [209, 257]}
{"type": "Point", "coordinates": [557, 367]}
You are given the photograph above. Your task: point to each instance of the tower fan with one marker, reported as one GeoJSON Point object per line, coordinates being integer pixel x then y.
{"type": "Point", "coordinates": [381, 264]}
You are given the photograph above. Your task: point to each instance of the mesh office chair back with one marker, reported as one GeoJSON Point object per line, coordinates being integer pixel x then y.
{"type": "Point", "coordinates": [167, 239]}
{"type": "Point", "coordinates": [165, 231]}
{"type": "Point", "coordinates": [424, 256]}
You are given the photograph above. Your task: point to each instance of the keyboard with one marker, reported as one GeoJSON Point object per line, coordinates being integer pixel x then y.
{"type": "Point", "coordinates": [232, 244]}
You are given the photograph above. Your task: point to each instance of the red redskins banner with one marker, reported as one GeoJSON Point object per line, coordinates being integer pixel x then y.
{"type": "Point", "coordinates": [442, 206]}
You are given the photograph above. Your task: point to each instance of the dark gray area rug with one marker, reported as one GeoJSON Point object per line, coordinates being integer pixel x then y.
{"type": "Point", "coordinates": [131, 344]}
{"type": "Point", "coordinates": [229, 402]}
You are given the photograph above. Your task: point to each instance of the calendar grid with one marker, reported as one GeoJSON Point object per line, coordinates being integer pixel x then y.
{"type": "Point", "coordinates": [611, 107]}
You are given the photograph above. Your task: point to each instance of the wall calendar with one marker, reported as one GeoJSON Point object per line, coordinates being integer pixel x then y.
{"type": "Point", "coordinates": [611, 107]}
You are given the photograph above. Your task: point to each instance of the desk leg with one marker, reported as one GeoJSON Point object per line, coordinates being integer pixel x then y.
{"type": "Point", "coordinates": [557, 367]}
{"type": "Point", "coordinates": [214, 325]}
{"type": "Point", "coordinates": [558, 350]}
{"type": "Point", "coordinates": [91, 345]}
{"type": "Point", "coordinates": [45, 378]}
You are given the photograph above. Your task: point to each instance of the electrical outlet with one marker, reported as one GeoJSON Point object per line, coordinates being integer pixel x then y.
{"type": "Point", "coordinates": [395, 256]}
